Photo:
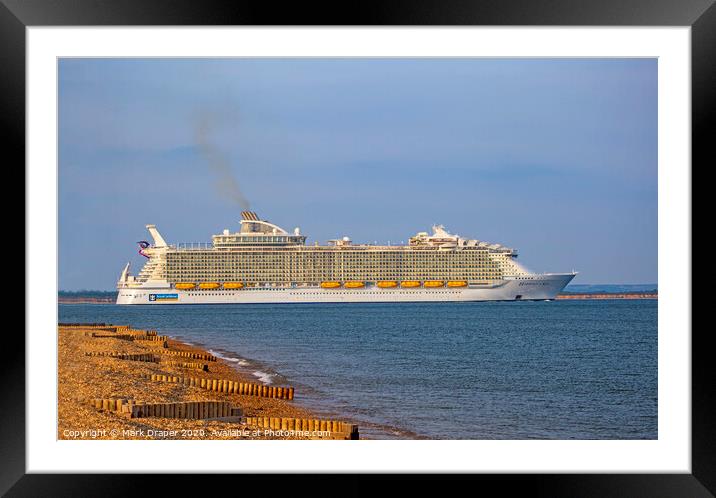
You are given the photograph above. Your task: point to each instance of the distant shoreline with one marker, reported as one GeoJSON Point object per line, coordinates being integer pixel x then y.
{"type": "Point", "coordinates": [86, 300]}
{"type": "Point", "coordinates": [609, 295]}
{"type": "Point", "coordinates": [111, 299]}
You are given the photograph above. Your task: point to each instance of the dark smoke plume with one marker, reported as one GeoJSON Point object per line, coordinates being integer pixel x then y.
{"type": "Point", "coordinates": [226, 183]}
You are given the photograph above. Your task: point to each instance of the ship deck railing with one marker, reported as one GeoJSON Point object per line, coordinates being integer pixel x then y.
{"type": "Point", "coordinates": [192, 245]}
{"type": "Point", "coordinates": [201, 246]}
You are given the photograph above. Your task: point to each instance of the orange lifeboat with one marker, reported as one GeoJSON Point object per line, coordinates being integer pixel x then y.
{"type": "Point", "coordinates": [354, 285]}
{"type": "Point", "coordinates": [330, 285]}
{"type": "Point", "coordinates": [410, 284]}
{"type": "Point", "coordinates": [184, 285]}
{"type": "Point", "coordinates": [388, 284]}
{"type": "Point", "coordinates": [434, 283]}
{"type": "Point", "coordinates": [457, 283]}
{"type": "Point", "coordinates": [208, 285]}
{"type": "Point", "coordinates": [233, 285]}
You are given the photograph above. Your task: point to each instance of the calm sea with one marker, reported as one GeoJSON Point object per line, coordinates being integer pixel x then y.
{"type": "Point", "coordinates": [519, 370]}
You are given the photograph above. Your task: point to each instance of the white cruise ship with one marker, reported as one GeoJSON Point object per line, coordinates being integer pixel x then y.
{"type": "Point", "coordinates": [263, 263]}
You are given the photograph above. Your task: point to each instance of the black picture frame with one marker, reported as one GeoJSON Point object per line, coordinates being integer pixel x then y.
{"type": "Point", "coordinates": [700, 15]}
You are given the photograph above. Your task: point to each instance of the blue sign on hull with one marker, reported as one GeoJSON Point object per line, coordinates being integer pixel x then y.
{"type": "Point", "coordinates": [163, 297]}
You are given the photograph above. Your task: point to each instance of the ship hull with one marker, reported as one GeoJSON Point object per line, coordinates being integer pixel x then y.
{"type": "Point", "coordinates": [532, 287]}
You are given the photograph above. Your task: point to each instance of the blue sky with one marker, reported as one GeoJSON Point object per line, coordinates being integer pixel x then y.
{"type": "Point", "coordinates": [556, 157]}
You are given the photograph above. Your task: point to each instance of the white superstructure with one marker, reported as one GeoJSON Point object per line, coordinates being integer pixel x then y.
{"type": "Point", "coordinates": [263, 263]}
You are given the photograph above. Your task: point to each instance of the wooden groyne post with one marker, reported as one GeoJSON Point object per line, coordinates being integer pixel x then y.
{"type": "Point", "coordinates": [318, 428]}
{"type": "Point", "coordinates": [181, 409]}
{"type": "Point", "coordinates": [226, 386]}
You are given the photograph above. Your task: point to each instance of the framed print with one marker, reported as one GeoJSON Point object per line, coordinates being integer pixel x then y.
{"type": "Point", "coordinates": [321, 318]}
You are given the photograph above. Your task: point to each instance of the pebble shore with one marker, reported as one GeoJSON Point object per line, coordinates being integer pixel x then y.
{"type": "Point", "coordinates": [83, 376]}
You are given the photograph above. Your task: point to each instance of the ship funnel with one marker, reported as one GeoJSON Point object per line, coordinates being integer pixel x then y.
{"type": "Point", "coordinates": [249, 216]}
{"type": "Point", "coordinates": [158, 239]}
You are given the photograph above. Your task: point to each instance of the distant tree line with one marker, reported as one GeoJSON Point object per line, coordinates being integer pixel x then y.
{"type": "Point", "coordinates": [88, 293]}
